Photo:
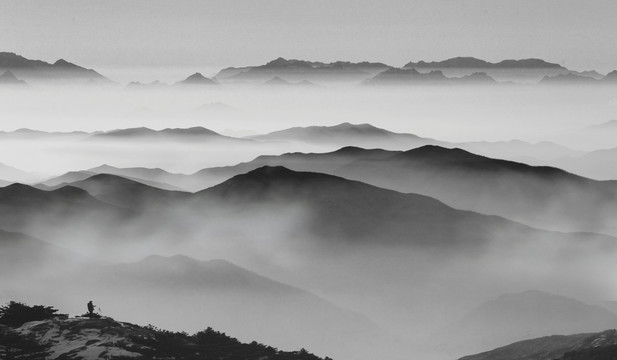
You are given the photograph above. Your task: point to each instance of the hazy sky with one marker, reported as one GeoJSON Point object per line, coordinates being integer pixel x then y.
{"type": "Point", "coordinates": [213, 34]}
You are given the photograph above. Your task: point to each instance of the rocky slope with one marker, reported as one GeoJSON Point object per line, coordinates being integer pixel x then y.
{"type": "Point", "coordinates": [105, 338]}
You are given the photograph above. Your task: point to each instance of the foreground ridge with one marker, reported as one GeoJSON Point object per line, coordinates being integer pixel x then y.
{"type": "Point", "coordinates": [86, 338]}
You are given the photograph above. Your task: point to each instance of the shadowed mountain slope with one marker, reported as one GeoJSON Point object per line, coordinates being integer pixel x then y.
{"type": "Point", "coordinates": [552, 347]}
{"type": "Point", "coordinates": [527, 315]}
{"type": "Point", "coordinates": [352, 213]}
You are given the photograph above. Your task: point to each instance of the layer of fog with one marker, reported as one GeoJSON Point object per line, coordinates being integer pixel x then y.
{"type": "Point", "coordinates": [413, 293]}
{"type": "Point", "coordinates": [457, 113]}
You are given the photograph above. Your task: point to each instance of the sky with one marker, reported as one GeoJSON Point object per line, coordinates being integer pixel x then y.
{"type": "Point", "coordinates": [212, 34]}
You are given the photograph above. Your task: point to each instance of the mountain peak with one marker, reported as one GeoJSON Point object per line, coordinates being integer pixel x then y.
{"type": "Point", "coordinates": [280, 61]}
{"type": "Point", "coordinates": [611, 76]}
{"type": "Point", "coordinates": [8, 75]}
{"type": "Point", "coordinates": [8, 78]}
{"type": "Point", "coordinates": [283, 63]}
{"type": "Point", "coordinates": [62, 62]}
{"type": "Point", "coordinates": [197, 79]}
{"type": "Point", "coordinates": [440, 152]}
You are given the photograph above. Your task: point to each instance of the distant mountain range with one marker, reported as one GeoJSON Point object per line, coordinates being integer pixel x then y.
{"type": "Point", "coordinates": [348, 134]}
{"type": "Point", "coordinates": [338, 208]}
{"type": "Point", "coordinates": [16, 69]}
{"type": "Point", "coordinates": [40, 71]}
{"type": "Point", "coordinates": [45, 214]}
{"type": "Point", "coordinates": [474, 63]}
{"type": "Point", "coordinates": [196, 133]}
{"type": "Point", "coordinates": [299, 70]}
{"type": "Point", "coordinates": [412, 76]}
{"type": "Point", "coordinates": [559, 200]}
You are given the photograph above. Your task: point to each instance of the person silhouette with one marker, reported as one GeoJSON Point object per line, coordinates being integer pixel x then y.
{"type": "Point", "coordinates": [90, 307]}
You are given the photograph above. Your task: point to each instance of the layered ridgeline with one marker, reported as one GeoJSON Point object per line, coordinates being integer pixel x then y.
{"type": "Point", "coordinates": [523, 70]}
{"type": "Point", "coordinates": [539, 196]}
{"type": "Point", "coordinates": [459, 70]}
{"type": "Point", "coordinates": [299, 70]}
{"type": "Point", "coordinates": [335, 207]}
{"type": "Point", "coordinates": [38, 332]}
{"type": "Point", "coordinates": [18, 70]}
{"type": "Point", "coordinates": [341, 234]}
{"type": "Point", "coordinates": [38, 71]}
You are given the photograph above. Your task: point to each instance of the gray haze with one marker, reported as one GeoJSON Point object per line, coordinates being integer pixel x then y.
{"type": "Point", "coordinates": [146, 36]}
{"type": "Point", "coordinates": [312, 206]}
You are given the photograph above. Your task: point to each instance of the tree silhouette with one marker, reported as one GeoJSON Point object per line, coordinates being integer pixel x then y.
{"type": "Point", "coordinates": [14, 314]}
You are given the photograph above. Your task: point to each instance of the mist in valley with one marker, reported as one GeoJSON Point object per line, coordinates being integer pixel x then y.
{"type": "Point", "coordinates": [371, 254]}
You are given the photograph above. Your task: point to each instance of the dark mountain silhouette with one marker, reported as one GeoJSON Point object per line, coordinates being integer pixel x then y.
{"type": "Point", "coordinates": [128, 193]}
{"type": "Point", "coordinates": [544, 197]}
{"type": "Point", "coordinates": [197, 79]}
{"type": "Point", "coordinates": [312, 162]}
{"type": "Point", "coordinates": [299, 70]}
{"type": "Point", "coordinates": [407, 76]}
{"type": "Point", "coordinates": [527, 315]}
{"type": "Point", "coordinates": [347, 213]}
{"type": "Point", "coordinates": [223, 295]}
{"type": "Point", "coordinates": [31, 134]}
{"type": "Point", "coordinates": [588, 73]}
{"type": "Point", "coordinates": [568, 78]}
{"type": "Point", "coordinates": [539, 196]}
{"type": "Point", "coordinates": [552, 347]}
{"type": "Point", "coordinates": [44, 213]}
{"type": "Point", "coordinates": [157, 178]}
{"type": "Point", "coordinates": [411, 76]}
{"type": "Point", "coordinates": [368, 136]}
{"type": "Point", "coordinates": [347, 134]}
{"type": "Point", "coordinates": [611, 77]}
{"type": "Point", "coordinates": [591, 353]}
{"type": "Point", "coordinates": [506, 71]}
{"type": "Point", "coordinates": [72, 177]}
{"type": "Point", "coordinates": [37, 70]}
{"type": "Point", "coordinates": [470, 62]}
{"type": "Point", "coordinates": [7, 78]}
{"type": "Point", "coordinates": [79, 338]}
{"type": "Point", "coordinates": [477, 78]}
{"type": "Point", "coordinates": [196, 133]}
{"type": "Point", "coordinates": [60, 181]}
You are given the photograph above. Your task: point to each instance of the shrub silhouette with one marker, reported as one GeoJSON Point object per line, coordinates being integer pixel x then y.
{"type": "Point", "coordinates": [15, 314]}
{"type": "Point", "coordinates": [17, 346]}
